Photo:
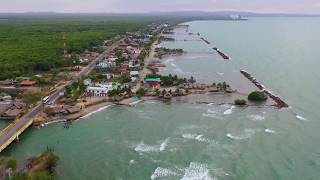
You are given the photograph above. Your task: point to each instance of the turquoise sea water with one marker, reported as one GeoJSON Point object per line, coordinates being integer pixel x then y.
{"type": "Point", "coordinates": [198, 141]}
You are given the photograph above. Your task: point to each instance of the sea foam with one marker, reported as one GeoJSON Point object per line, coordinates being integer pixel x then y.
{"type": "Point", "coordinates": [197, 137]}
{"type": "Point", "coordinates": [229, 111]}
{"type": "Point", "coordinates": [301, 118]}
{"type": "Point", "coordinates": [197, 171]}
{"type": "Point", "coordinates": [146, 148]}
{"type": "Point", "coordinates": [270, 131]}
{"type": "Point", "coordinates": [163, 173]}
{"type": "Point", "coordinates": [247, 134]}
{"type": "Point", "coordinates": [256, 117]}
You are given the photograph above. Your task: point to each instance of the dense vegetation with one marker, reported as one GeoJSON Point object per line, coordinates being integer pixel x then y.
{"type": "Point", "coordinates": [240, 102]}
{"type": "Point", "coordinates": [36, 44]}
{"type": "Point", "coordinates": [171, 80]}
{"type": "Point", "coordinates": [257, 96]}
{"type": "Point", "coordinates": [40, 167]}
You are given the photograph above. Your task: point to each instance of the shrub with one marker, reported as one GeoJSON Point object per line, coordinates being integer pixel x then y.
{"type": "Point", "coordinates": [240, 102]}
{"type": "Point", "coordinates": [12, 164]}
{"type": "Point", "coordinates": [141, 92]}
{"type": "Point", "coordinates": [257, 96]}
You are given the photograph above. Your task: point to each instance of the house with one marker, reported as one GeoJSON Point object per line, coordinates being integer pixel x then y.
{"type": "Point", "coordinates": [87, 82]}
{"type": "Point", "coordinates": [101, 89]}
{"type": "Point", "coordinates": [134, 73]}
{"type": "Point", "coordinates": [8, 82]}
{"type": "Point", "coordinates": [105, 65]}
{"type": "Point", "coordinates": [27, 83]}
{"type": "Point", "coordinates": [213, 89]}
{"type": "Point", "coordinates": [88, 54]}
{"type": "Point", "coordinates": [134, 65]}
{"type": "Point", "coordinates": [83, 60]}
{"type": "Point", "coordinates": [152, 82]}
{"type": "Point", "coordinates": [125, 55]}
{"type": "Point", "coordinates": [134, 55]}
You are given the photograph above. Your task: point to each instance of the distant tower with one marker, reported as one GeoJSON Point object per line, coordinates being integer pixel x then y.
{"type": "Point", "coordinates": [65, 51]}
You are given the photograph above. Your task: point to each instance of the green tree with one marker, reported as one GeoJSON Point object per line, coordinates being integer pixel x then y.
{"type": "Point", "coordinates": [19, 176]}
{"type": "Point", "coordinates": [40, 175]}
{"type": "Point", "coordinates": [141, 92]}
{"type": "Point", "coordinates": [12, 164]}
{"type": "Point", "coordinates": [192, 80]}
{"type": "Point", "coordinates": [240, 102]}
{"type": "Point", "coordinates": [257, 96]}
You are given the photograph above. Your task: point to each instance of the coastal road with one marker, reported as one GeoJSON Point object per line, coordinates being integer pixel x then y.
{"type": "Point", "coordinates": [13, 130]}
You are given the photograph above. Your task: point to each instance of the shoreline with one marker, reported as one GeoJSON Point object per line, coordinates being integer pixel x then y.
{"type": "Point", "coordinates": [89, 111]}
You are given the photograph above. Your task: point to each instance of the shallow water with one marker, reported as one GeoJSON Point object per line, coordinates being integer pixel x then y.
{"type": "Point", "coordinates": [198, 141]}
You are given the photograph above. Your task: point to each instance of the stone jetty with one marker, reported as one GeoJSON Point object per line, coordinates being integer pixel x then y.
{"type": "Point", "coordinates": [223, 55]}
{"type": "Point", "coordinates": [206, 41]}
{"type": "Point", "coordinates": [278, 100]}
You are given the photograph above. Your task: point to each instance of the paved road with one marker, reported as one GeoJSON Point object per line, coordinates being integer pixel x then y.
{"type": "Point", "coordinates": [14, 128]}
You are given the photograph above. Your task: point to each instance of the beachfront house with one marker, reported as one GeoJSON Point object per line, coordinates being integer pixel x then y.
{"type": "Point", "coordinates": [101, 89]}
{"type": "Point", "coordinates": [152, 82]}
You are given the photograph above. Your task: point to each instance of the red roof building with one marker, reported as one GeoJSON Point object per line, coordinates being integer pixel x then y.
{"type": "Point", "coordinates": [27, 83]}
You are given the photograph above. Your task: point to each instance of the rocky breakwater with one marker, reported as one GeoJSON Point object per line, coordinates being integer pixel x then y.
{"type": "Point", "coordinates": [223, 55]}
{"type": "Point", "coordinates": [206, 41]}
{"type": "Point", "coordinates": [280, 103]}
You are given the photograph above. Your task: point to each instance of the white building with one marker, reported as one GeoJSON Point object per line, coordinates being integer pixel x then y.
{"type": "Point", "coordinates": [134, 73]}
{"type": "Point", "coordinates": [101, 89]}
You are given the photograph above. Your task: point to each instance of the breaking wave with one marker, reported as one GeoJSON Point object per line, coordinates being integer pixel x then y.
{"type": "Point", "coordinates": [220, 73]}
{"type": "Point", "coordinates": [247, 134]}
{"type": "Point", "coordinates": [145, 148]}
{"type": "Point", "coordinates": [163, 173]}
{"type": "Point", "coordinates": [198, 137]}
{"type": "Point", "coordinates": [256, 117]}
{"type": "Point", "coordinates": [270, 131]}
{"type": "Point", "coordinates": [197, 171]}
{"type": "Point", "coordinates": [301, 118]}
{"type": "Point", "coordinates": [229, 111]}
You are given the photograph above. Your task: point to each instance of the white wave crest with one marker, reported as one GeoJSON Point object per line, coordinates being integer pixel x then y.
{"type": "Point", "coordinates": [255, 117]}
{"type": "Point", "coordinates": [270, 131]}
{"type": "Point", "coordinates": [163, 145]}
{"type": "Point", "coordinates": [198, 137]}
{"type": "Point", "coordinates": [301, 118]}
{"type": "Point", "coordinates": [163, 173]}
{"type": "Point", "coordinates": [229, 111]}
{"type": "Point", "coordinates": [197, 171]}
{"type": "Point", "coordinates": [209, 115]}
{"type": "Point", "coordinates": [247, 134]}
{"type": "Point", "coordinates": [145, 148]}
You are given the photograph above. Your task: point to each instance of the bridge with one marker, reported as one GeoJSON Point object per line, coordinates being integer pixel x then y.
{"type": "Point", "coordinates": [17, 127]}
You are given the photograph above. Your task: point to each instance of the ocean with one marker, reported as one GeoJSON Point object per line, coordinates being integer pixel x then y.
{"type": "Point", "coordinates": [156, 140]}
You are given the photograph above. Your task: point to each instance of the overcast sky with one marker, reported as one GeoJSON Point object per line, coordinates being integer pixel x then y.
{"type": "Point", "coordinates": [122, 6]}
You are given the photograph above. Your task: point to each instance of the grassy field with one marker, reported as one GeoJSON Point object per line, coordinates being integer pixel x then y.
{"type": "Point", "coordinates": [31, 44]}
